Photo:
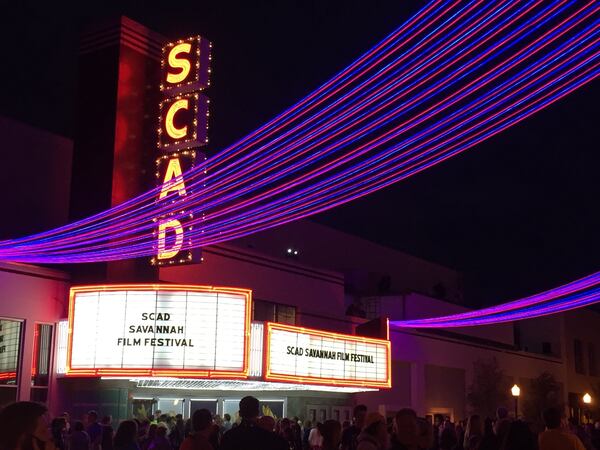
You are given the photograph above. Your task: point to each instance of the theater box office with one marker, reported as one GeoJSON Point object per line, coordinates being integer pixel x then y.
{"type": "Point", "coordinates": [134, 349]}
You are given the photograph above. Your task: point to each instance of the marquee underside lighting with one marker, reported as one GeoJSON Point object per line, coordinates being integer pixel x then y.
{"type": "Point", "coordinates": [236, 385]}
{"type": "Point", "coordinates": [455, 74]}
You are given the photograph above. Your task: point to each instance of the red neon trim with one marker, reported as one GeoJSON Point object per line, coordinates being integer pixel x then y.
{"type": "Point", "coordinates": [270, 376]}
{"type": "Point", "coordinates": [36, 335]}
{"type": "Point", "coordinates": [157, 372]}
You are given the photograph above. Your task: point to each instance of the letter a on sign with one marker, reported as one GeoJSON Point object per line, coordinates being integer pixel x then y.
{"type": "Point", "coordinates": [173, 173]}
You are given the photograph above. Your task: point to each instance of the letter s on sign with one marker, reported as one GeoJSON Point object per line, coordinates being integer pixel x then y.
{"type": "Point", "coordinates": [179, 63]}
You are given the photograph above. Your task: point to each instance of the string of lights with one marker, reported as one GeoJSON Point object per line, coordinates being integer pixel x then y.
{"type": "Point", "coordinates": [561, 49]}
{"type": "Point", "coordinates": [577, 294]}
{"type": "Point", "coordinates": [319, 164]}
{"type": "Point", "coordinates": [201, 206]}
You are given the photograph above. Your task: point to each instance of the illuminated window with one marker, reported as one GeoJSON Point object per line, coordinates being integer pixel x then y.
{"type": "Point", "coordinates": [10, 349]}
{"type": "Point", "coordinates": [578, 356]}
{"type": "Point", "coordinates": [40, 369]}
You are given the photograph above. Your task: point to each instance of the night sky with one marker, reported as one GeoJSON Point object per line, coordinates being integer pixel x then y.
{"type": "Point", "coordinates": [517, 214]}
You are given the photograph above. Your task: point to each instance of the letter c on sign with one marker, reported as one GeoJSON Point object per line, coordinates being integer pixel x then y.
{"type": "Point", "coordinates": [172, 130]}
{"type": "Point", "coordinates": [179, 63]}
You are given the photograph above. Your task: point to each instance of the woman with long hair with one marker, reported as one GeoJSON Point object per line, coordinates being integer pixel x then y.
{"type": "Point", "coordinates": [23, 426]}
{"type": "Point", "coordinates": [126, 436]}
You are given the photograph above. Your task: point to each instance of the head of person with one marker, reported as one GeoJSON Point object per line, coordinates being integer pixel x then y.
{"type": "Point", "coordinates": [286, 423]}
{"type": "Point", "coordinates": [201, 420]}
{"type": "Point", "coordinates": [406, 427]}
{"type": "Point", "coordinates": [78, 426]}
{"type": "Point", "coordinates": [249, 408]}
{"type": "Point", "coordinates": [519, 436]}
{"type": "Point", "coordinates": [552, 418]}
{"type": "Point", "coordinates": [501, 413]}
{"type": "Point", "coordinates": [331, 431]}
{"type": "Point", "coordinates": [126, 433]}
{"type": "Point", "coordinates": [20, 423]}
{"type": "Point", "coordinates": [227, 417]}
{"type": "Point", "coordinates": [376, 427]}
{"type": "Point", "coordinates": [307, 424]}
{"type": "Point", "coordinates": [152, 430]}
{"type": "Point", "coordinates": [266, 423]}
{"type": "Point", "coordinates": [106, 420]}
{"type": "Point", "coordinates": [92, 416]}
{"type": "Point", "coordinates": [358, 415]}
{"type": "Point", "coordinates": [161, 431]}
{"type": "Point", "coordinates": [58, 424]}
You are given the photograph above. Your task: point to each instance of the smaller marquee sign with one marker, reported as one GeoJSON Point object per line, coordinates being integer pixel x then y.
{"type": "Point", "coordinates": [303, 355]}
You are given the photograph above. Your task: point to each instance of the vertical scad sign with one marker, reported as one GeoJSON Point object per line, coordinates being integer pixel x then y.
{"type": "Point", "coordinates": [183, 126]}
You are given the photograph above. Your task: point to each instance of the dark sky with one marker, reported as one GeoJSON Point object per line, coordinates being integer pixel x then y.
{"type": "Point", "coordinates": [518, 213]}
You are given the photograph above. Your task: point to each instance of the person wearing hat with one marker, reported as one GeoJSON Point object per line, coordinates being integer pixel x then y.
{"type": "Point", "coordinates": [374, 435]}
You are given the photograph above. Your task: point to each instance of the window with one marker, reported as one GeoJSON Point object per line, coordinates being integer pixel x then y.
{"type": "Point", "coordinates": [273, 312]}
{"type": "Point", "coordinates": [592, 360]}
{"type": "Point", "coordinates": [578, 355]}
{"type": "Point", "coordinates": [10, 349]}
{"type": "Point", "coordinates": [285, 314]}
{"type": "Point", "coordinates": [40, 368]}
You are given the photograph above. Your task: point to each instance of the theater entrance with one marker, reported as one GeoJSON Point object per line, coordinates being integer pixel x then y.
{"type": "Point", "coordinates": [142, 407]}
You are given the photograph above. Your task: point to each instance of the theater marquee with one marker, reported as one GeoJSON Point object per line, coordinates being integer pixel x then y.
{"type": "Point", "coordinates": [159, 330]}
{"type": "Point", "coordinates": [302, 355]}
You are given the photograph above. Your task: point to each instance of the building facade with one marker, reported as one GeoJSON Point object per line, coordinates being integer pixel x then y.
{"type": "Point", "coordinates": [310, 285]}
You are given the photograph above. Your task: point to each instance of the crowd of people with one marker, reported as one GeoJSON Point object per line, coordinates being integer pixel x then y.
{"type": "Point", "coordinates": [25, 426]}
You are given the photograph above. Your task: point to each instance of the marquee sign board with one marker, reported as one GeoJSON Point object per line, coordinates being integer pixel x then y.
{"type": "Point", "coordinates": [307, 356]}
{"type": "Point", "coordinates": [159, 330]}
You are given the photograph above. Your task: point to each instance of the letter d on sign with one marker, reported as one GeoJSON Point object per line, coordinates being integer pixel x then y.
{"type": "Point", "coordinates": [175, 225]}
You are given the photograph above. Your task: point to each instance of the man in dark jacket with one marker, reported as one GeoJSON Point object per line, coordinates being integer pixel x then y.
{"type": "Point", "coordinates": [249, 436]}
